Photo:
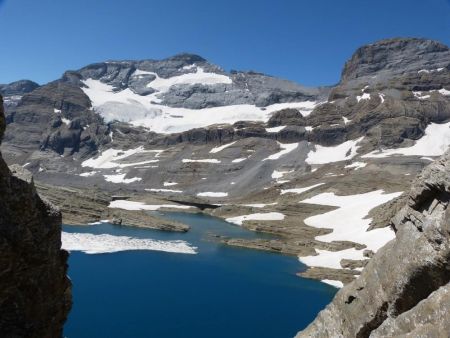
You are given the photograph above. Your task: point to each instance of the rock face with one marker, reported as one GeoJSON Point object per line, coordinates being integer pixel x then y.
{"type": "Point", "coordinates": [35, 293]}
{"type": "Point", "coordinates": [404, 289]}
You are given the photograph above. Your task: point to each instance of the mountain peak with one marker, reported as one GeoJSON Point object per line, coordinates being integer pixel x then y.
{"type": "Point", "coordinates": [187, 58]}
{"type": "Point", "coordinates": [396, 56]}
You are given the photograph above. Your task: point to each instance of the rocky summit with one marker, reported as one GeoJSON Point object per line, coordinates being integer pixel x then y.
{"type": "Point", "coordinates": [323, 170]}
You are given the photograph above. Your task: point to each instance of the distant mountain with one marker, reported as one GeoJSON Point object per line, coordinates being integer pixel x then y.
{"type": "Point", "coordinates": [13, 92]}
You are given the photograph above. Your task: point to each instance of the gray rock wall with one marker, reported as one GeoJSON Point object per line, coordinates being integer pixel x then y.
{"type": "Point", "coordinates": [35, 293]}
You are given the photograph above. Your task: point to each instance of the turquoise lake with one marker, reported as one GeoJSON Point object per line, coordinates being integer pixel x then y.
{"type": "Point", "coordinates": [219, 292]}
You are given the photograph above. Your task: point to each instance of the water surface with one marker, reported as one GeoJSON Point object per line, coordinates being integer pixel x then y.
{"type": "Point", "coordinates": [220, 292]}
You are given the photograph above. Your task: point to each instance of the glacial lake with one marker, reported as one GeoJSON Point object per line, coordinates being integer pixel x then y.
{"type": "Point", "coordinates": [219, 292]}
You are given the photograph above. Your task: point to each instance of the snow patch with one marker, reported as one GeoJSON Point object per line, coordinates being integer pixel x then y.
{"type": "Point", "coordinates": [88, 174]}
{"type": "Point", "coordinates": [269, 216]}
{"type": "Point", "coordinates": [356, 165]}
{"type": "Point", "coordinates": [341, 152]}
{"type": "Point", "coordinates": [208, 160]}
{"type": "Point", "coordinates": [299, 190]}
{"type": "Point", "coordinates": [134, 206]}
{"type": "Point", "coordinates": [364, 96]}
{"type": "Point", "coordinates": [348, 223]}
{"type": "Point", "coordinates": [275, 129]}
{"type": "Point", "coordinates": [336, 283]}
{"type": "Point", "coordinates": [212, 194]}
{"type": "Point", "coordinates": [108, 158]}
{"type": "Point", "coordinates": [120, 178]}
{"type": "Point", "coordinates": [217, 149]}
{"type": "Point", "coordinates": [286, 148]}
{"type": "Point", "coordinates": [434, 143]}
{"type": "Point", "coordinates": [163, 190]}
{"type": "Point", "coordinates": [105, 243]}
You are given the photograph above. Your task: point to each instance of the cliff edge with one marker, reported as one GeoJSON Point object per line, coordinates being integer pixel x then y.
{"type": "Point", "coordinates": [35, 292]}
{"type": "Point", "coordinates": [404, 290]}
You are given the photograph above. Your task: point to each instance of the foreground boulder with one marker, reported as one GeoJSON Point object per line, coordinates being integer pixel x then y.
{"type": "Point", "coordinates": [404, 290]}
{"type": "Point", "coordinates": [35, 293]}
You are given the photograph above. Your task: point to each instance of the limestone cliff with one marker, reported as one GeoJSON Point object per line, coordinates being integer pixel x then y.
{"type": "Point", "coordinates": [35, 293]}
{"type": "Point", "coordinates": [404, 290]}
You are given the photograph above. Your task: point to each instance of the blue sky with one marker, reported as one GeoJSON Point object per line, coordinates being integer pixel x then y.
{"type": "Point", "coordinates": [307, 41]}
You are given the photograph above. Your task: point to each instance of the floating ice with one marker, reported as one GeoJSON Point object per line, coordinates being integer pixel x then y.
{"type": "Point", "coordinates": [105, 243]}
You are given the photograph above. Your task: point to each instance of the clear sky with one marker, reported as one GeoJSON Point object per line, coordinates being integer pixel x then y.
{"type": "Point", "coordinates": [302, 40]}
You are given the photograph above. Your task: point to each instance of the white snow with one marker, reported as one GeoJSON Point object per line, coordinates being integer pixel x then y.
{"type": "Point", "coordinates": [259, 205]}
{"type": "Point", "coordinates": [427, 158]}
{"type": "Point", "coordinates": [169, 184]}
{"type": "Point", "coordinates": [331, 259]}
{"type": "Point", "coordinates": [208, 160]}
{"type": "Point", "coordinates": [189, 67]}
{"type": "Point", "coordinates": [108, 158]}
{"type": "Point", "coordinates": [336, 283]}
{"type": "Point", "coordinates": [120, 178]}
{"type": "Point", "coordinates": [364, 96]}
{"type": "Point", "coordinates": [220, 148]}
{"type": "Point", "coordinates": [134, 206]}
{"type": "Point", "coordinates": [434, 143]}
{"type": "Point", "coordinates": [275, 129]}
{"type": "Point", "coordinates": [421, 96]}
{"type": "Point", "coordinates": [146, 111]}
{"type": "Point", "coordinates": [299, 190]}
{"type": "Point", "coordinates": [88, 174]}
{"type": "Point", "coordinates": [269, 216]}
{"type": "Point", "coordinates": [341, 152]}
{"type": "Point", "coordinates": [212, 194]}
{"type": "Point", "coordinates": [356, 165]}
{"type": "Point", "coordinates": [105, 243]}
{"type": "Point", "coordinates": [237, 160]}
{"type": "Point", "coordinates": [164, 190]}
{"type": "Point", "coordinates": [430, 70]}
{"type": "Point", "coordinates": [346, 120]}
{"type": "Point", "coordinates": [199, 77]}
{"type": "Point", "coordinates": [277, 175]}
{"type": "Point", "coordinates": [65, 121]}
{"type": "Point", "coordinates": [57, 111]}
{"type": "Point", "coordinates": [348, 222]}
{"type": "Point", "coordinates": [426, 95]}
{"type": "Point", "coordinates": [286, 148]}
{"type": "Point", "coordinates": [381, 97]}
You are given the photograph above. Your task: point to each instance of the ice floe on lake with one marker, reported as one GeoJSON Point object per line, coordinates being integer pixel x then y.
{"type": "Point", "coordinates": [105, 243]}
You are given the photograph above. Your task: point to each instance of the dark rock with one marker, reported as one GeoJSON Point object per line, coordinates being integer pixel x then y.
{"type": "Point", "coordinates": [35, 293]}
{"type": "Point", "coordinates": [286, 117]}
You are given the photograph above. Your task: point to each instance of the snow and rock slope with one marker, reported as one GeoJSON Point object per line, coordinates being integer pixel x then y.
{"type": "Point", "coordinates": [404, 289]}
{"type": "Point", "coordinates": [244, 145]}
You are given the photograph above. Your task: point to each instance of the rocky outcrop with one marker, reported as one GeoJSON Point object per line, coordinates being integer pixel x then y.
{"type": "Point", "coordinates": [404, 289]}
{"type": "Point", "coordinates": [35, 293]}
{"type": "Point", "coordinates": [18, 87]}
